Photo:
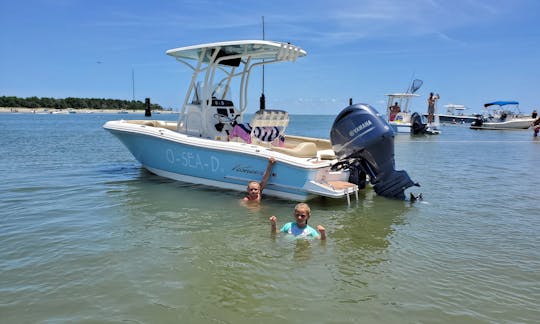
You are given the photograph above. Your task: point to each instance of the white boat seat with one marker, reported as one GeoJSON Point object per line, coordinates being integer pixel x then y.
{"type": "Point", "coordinates": [304, 150]}
{"type": "Point", "coordinates": [326, 154]}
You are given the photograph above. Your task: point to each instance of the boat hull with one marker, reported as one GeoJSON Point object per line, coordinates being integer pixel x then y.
{"type": "Point", "coordinates": [515, 124]}
{"type": "Point", "coordinates": [400, 128]}
{"type": "Point", "coordinates": [454, 119]}
{"type": "Point", "coordinates": [406, 128]}
{"type": "Point", "coordinates": [228, 165]}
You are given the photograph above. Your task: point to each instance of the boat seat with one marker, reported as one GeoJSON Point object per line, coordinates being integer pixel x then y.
{"type": "Point", "coordinates": [153, 123]}
{"type": "Point", "coordinates": [304, 150]}
{"type": "Point", "coordinates": [326, 154]}
{"type": "Point", "coordinates": [268, 127]}
{"type": "Point", "coordinates": [248, 134]}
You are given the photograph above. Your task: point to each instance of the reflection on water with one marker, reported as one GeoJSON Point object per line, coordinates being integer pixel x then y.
{"type": "Point", "coordinates": [219, 253]}
{"type": "Point", "coordinates": [366, 225]}
{"type": "Point", "coordinates": [302, 249]}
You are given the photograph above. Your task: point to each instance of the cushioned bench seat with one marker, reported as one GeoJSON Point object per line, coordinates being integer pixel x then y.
{"type": "Point", "coordinates": [304, 149]}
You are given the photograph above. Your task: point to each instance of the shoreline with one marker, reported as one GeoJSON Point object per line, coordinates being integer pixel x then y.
{"type": "Point", "coordinates": [23, 110]}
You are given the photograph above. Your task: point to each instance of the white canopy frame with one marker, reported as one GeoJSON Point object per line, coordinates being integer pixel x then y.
{"type": "Point", "coordinates": [214, 56]}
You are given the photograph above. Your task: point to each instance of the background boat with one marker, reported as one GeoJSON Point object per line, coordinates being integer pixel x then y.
{"type": "Point", "coordinates": [403, 120]}
{"type": "Point", "coordinates": [502, 115]}
{"type": "Point", "coordinates": [455, 115]}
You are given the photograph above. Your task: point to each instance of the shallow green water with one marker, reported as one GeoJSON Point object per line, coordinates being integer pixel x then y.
{"type": "Point", "coordinates": [88, 236]}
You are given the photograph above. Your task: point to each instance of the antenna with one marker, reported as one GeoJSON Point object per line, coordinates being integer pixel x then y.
{"type": "Point", "coordinates": [262, 100]}
{"type": "Point", "coordinates": [410, 83]}
{"type": "Point", "coordinates": [263, 64]}
{"type": "Point", "coordinates": [133, 82]}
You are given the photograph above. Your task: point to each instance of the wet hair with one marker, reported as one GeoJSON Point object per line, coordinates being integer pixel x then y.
{"type": "Point", "coordinates": [251, 182]}
{"type": "Point", "coordinates": [303, 206]}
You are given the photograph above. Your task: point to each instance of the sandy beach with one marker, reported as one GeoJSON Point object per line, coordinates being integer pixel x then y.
{"type": "Point", "coordinates": [21, 110]}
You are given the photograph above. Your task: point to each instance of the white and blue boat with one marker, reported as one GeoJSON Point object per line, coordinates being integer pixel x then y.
{"type": "Point", "coordinates": [212, 145]}
{"type": "Point", "coordinates": [502, 115]}
{"type": "Point", "coordinates": [405, 121]}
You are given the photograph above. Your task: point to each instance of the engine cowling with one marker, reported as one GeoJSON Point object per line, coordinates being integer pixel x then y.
{"type": "Point", "coordinates": [478, 122]}
{"type": "Point", "coordinates": [418, 123]}
{"type": "Point", "coordinates": [364, 142]}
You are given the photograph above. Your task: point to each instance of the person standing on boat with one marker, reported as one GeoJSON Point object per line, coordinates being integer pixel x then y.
{"type": "Point", "coordinates": [299, 228]}
{"type": "Point", "coordinates": [534, 114]}
{"type": "Point", "coordinates": [394, 110]}
{"type": "Point", "coordinates": [431, 106]}
{"type": "Point", "coordinates": [254, 188]}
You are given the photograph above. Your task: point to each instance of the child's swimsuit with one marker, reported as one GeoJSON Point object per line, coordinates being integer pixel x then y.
{"type": "Point", "coordinates": [306, 232]}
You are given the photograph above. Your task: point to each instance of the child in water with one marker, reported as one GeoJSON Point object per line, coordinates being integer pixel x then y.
{"type": "Point", "coordinates": [300, 227]}
{"type": "Point", "coordinates": [254, 188]}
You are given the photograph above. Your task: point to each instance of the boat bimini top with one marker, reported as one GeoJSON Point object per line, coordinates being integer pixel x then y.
{"type": "Point", "coordinates": [501, 103]}
{"type": "Point", "coordinates": [502, 107]}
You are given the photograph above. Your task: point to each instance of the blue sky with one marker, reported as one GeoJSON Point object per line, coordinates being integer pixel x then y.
{"type": "Point", "coordinates": [469, 51]}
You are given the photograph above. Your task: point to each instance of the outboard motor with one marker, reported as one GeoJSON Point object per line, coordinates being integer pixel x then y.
{"type": "Point", "coordinates": [364, 143]}
{"type": "Point", "coordinates": [418, 124]}
{"type": "Point", "coordinates": [478, 122]}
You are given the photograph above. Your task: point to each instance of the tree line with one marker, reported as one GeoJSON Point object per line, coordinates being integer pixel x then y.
{"type": "Point", "coordinates": [74, 103]}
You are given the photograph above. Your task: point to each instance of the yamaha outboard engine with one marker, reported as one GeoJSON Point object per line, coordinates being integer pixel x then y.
{"type": "Point", "coordinates": [364, 143]}
{"type": "Point", "coordinates": [418, 124]}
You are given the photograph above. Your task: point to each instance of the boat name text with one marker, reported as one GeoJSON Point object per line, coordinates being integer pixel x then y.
{"type": "Point", "coordinates": [193, 161]}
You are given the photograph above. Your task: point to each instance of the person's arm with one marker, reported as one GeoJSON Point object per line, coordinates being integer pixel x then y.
{"type": "Point", "coordinates": [322, 231]}
{"type": "Point", "coordinates": [267, 173]}
{"type": "Point", "coordinates": [273, 228]}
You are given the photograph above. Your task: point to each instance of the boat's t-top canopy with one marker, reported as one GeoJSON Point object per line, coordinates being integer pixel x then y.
{"type": "Point", "coordinates": [403, 95]}
{"type": "Point", "coordinates": [500, 103]}
{"type": "Point", "coordinates": [451, 108]}
{"type": "Point", "coordinates": [254, 49]}
{"type": "Point", "coordinates": [402, 99]}
{"type": "Point", "coordinates": [454, 106]}
{"type": "Point", "coordinates": [226, 58]}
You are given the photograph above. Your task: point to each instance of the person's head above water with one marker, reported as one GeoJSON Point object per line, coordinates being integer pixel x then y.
{"type": "Point", "coordinates": [301, 214]}
{"type": "Point", "coordinates": [253, 190]}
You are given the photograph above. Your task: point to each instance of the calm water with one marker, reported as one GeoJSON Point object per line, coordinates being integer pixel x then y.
{"type": "Point", "coordinates": [88, 236]}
